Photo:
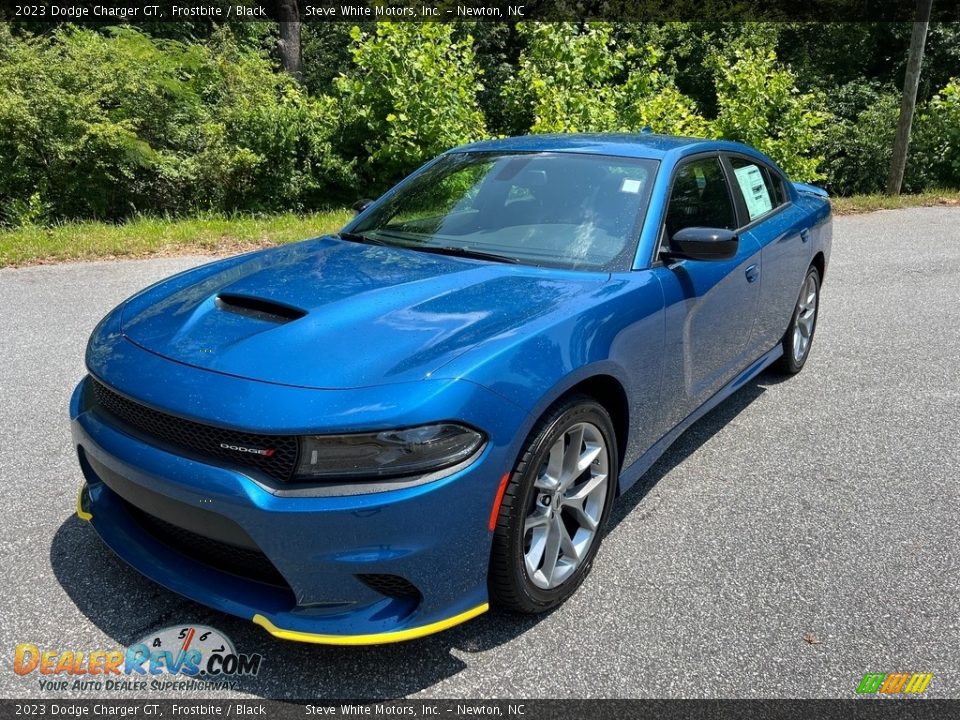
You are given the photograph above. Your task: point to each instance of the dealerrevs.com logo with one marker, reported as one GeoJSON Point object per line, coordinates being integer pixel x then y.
{"type": "Point", "coordinates": [190, 657]}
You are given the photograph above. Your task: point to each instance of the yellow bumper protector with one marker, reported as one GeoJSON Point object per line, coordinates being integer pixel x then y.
{"type": "Point", "coordinates": [81, 513]}
{"type": "Point", "coordinates": [372, 638]}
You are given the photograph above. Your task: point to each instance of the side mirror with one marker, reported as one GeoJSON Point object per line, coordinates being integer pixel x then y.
{"type": "Point", "coordinates": [698, 243]}
{"type": "Point", "coordinates": [360, 205]}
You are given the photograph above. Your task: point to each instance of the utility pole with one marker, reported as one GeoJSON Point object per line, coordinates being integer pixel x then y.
{"type": "Point", "coordinates": [910, 83]}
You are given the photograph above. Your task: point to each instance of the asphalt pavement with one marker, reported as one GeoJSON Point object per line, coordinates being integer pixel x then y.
{"type": "Point", "coordinates": [803, 533]}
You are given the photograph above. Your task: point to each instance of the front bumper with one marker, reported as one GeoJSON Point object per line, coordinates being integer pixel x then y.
{"type": "Point", "coordinates": [434, 535]}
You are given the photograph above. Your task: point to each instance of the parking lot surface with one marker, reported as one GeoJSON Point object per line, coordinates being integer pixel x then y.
{"type": "Point", "coordinates": [803, 533]}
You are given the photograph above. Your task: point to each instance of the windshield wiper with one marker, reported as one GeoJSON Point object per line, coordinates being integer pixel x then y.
{"type": "Point", "coordinates": [437, 249]}
{"type": "Point", "coordinates": [358, 238]}
{"type": "Point", "coordinates": [464, 252]}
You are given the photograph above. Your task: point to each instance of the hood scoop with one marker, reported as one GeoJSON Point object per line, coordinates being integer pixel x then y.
{"type": "Point", "coordinates": [258, 308]}
{"type": "Point", "coordinates": [287, 315]}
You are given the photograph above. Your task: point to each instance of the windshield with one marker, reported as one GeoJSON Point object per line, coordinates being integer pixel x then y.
{"type": "Point", "coordinates": [556, 209]}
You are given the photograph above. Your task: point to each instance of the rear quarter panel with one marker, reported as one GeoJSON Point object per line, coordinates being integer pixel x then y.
{"type": "Point", "coordinates": [819, 217]}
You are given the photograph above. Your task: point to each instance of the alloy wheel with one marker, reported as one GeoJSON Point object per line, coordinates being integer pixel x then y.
{"type": "Point", "coordinates": [806, 319]}
{"type": "Point", "coordinates": [567, 506]}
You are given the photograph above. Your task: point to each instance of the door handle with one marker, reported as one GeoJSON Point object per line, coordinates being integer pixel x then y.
{"type": "Point", "coordinates": [752, 273]}
{"type": "Point", "coordinates": [804, 235]}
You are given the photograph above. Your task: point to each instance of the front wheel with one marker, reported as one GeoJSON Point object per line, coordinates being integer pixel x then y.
{"type": "Point", "coordinates": [554, 508]}
{"type": "Point", "coordinates": [799, 336]}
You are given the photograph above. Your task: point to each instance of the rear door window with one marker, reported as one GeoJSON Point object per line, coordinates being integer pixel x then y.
{"type": "Point", "coordinates": [761, 190]}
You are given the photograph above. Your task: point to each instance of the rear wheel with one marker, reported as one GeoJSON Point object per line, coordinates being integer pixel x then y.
{"type": "Point", "coordinates": [803, 325]}
{"type": "Point", "coordinates": [554, 508]}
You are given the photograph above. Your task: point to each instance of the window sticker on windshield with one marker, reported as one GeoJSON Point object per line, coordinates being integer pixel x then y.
{"type": "Point", "coordinates": [630, 186]}
{"type": "Point", "coordinates": [754, 190]}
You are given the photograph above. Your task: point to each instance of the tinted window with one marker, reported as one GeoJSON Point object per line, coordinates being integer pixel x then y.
{"type": "Point", "coordinates": [779, 193]}
{"type": "Point", "coordinates": [700, 198]}
{"type": "Point", "coordinates": [561, 209]}
{"type": "Point", "coordinates": [761, 189]}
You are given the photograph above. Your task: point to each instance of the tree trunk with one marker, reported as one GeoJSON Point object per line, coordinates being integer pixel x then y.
{"type": "Point", "coordinates": [289, 43]}
{"type": "Point", "coordinates": [910, 83]}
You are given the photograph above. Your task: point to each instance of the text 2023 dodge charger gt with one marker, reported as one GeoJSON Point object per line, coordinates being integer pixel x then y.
{"type": "Point", "coordinates": [371, 436]}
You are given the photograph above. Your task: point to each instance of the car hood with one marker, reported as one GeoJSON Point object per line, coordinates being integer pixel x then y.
{"type": "Point", "coordinates": [327, 313]}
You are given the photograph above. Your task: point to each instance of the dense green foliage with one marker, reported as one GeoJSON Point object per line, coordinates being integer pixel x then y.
{"type": "Point", "coordinates": [573, 80]}
{"type": "Point", "coordinates": [103, 125]}
{"type": "Point", "coordinates": [410, 94]}
{"type": "Point", "coordinates": [860, 147]}
{"type": "Point", "coordinates": [938, 135]}
{"type": "Point", "coordinates": [758, 103]}
{"type": "Point", "coordinates": [110, 122]}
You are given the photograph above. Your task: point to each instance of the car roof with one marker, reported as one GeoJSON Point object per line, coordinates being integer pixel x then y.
{"type": "Point", "coordinates": [634, 145]}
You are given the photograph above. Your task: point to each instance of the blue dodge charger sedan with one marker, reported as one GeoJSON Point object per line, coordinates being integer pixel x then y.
{"type": "Point", "coordinates": [372, 436]}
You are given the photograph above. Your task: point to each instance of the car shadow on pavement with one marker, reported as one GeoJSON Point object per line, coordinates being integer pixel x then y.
{"type": "Point", "coordinates": [689, 442]}
{"type": "Point", "coordinates": [126, 606]}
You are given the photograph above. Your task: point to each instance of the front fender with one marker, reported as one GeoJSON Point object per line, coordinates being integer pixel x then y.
{"type": "Point", "coordinates": [617, 332]}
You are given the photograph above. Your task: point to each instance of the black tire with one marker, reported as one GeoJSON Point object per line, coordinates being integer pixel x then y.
{"type": "Point", "coordinates": [792, 362]}
{"type": "Point", "coordinates": [509, 583]}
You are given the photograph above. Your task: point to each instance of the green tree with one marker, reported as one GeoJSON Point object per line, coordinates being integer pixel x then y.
{"type": "Point", "coordinates": [410, 94]}
{"type": "Point", "coordinates": [566, 81]}
{"type": "Point", "coordinates": [107, 124]}
{"type": "Point", "coordinates": [858, 149]}
{"type": "Point", "coordinates": [759, 104]}
{"type": "Point", "coordinates": [497, 48]}
{"type": "Point", "coordinates": [935, 153]}
{"type": "Point", "coordinates": [650, 98]}
{"type": "Point", "coordinates": [574, 79]}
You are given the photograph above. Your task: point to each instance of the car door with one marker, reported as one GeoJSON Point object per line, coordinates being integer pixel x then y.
{"type": "Point", "coordinates": [710, 306]}
{"type": "Point", "coordinates": [778, 226]}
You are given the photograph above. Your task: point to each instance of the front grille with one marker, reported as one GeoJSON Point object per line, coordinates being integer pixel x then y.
{"type": "Point", "coordinates": [243, 562]}
{"type": "Point", "coordinates": [205, 439]}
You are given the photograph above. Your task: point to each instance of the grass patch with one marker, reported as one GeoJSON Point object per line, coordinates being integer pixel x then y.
{"type": "Point", "coordinates": [868, 203]}
{"type": "Point", "coordinates": [142, 237]}
{"type": "Point", "coordinates": [226, 235]}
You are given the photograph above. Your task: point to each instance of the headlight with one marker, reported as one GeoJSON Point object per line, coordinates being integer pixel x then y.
{"type": "Point", "coordinates": [389, 453]}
